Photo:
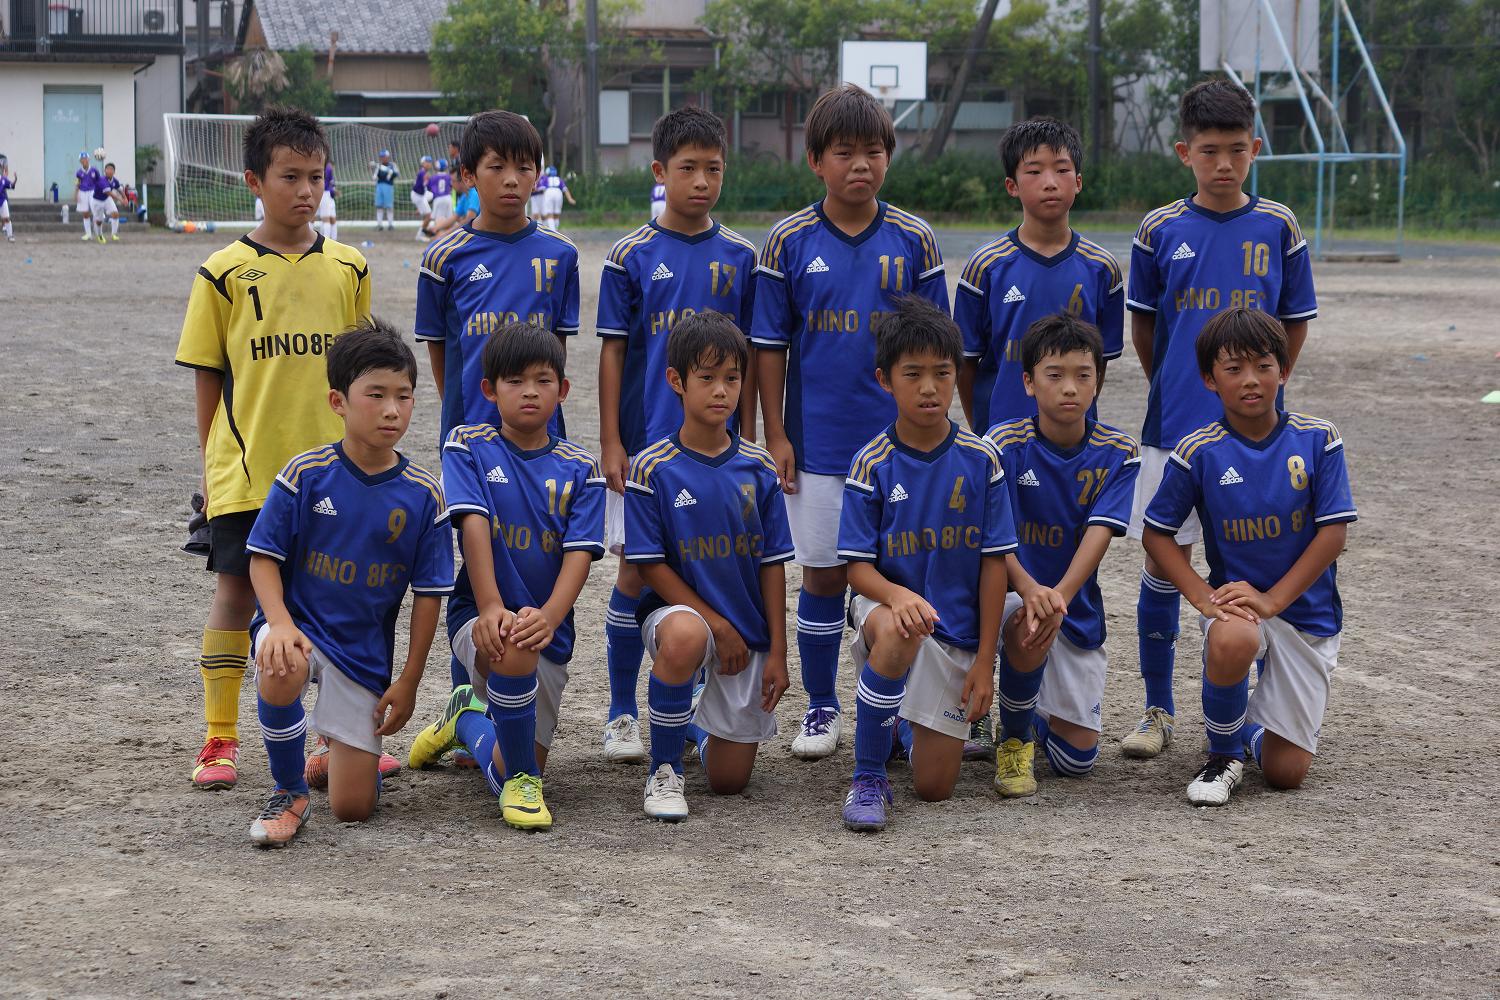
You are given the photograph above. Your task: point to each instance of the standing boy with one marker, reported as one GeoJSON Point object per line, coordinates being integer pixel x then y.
{"type": "Point", "coordinates": [706, 524]}
{"type": "Point", "coordinates": [260, 385]}
{"type": "Point", "coordinates": [385, 176]}
{"type": "Point", "coordinates": [327, 206]}
{"type": "Point", "coordinates": [665, 271]}
{"type": "Point", "coordinates": [84, 179]}
{"type": "Point", "coordinates": [554, 190]}
{"type": "Point", "coordinates": [1273, 490]}
{"type": "Point", "coordinates": [7, 184]}
{"type": "Point", "coordinates": [825, 275]}
{"type": "Point", "coordinates": [925, 526]}
{"type": "Point", "coordinates": [1071, 483]}
{"type": "Point", "coordinates": [440, 186]}
{"type": "Point", "coordinates": [420, 199]}
{"type": "Point", "coordinates": [1217, 249]}
{"type": "Point", "coordinates": [346, 530]}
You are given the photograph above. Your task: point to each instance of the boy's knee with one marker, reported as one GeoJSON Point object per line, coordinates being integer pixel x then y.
{"type": "Point", "coordinates": [353, 809]}
{"type": "Point", "coordinates": [281, 689]}
{"type": "Point", "coordinates": [681, 643]}
{"type": "Point", "coordinates": [1233, 644]}
{"type": "Point", "coordinates": [1284, 767]}
{"type": "Point", "coordinates": [933, 788]}
{"type": "Point", "coordinates": [881, 630]}
{"type": "Point", "coordinates": [728, 784]}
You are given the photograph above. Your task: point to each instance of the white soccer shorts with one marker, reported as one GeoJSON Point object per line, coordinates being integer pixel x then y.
{"type": "Point", "coordinates": [421, 202]}
{"type": "Point", "coordinates": [1073, 684]}
{"type": "Point", "coordinates": [935, 682]}
{"type": "Point", "coordinates": [813, 513]}
{"type": "Point", "coordinates": [1292, 694]}
{"type": "Point", "coordinates": [1153, 466]}
{"type": "Point", "coordinates": [551, 679]}
{"type": "Point", "coordinates": [345, 709]}
{"type": "Point", "coordinates": [83, 205]}
{"type": "Point", "coordinates": [614, 522]}
{"type": "Point", "coordinates": [730, 705]}
{"type": "Point", "coordinates": [552, 200]}
{"type": "Point", "coordinates": [327, 207]}
{"type": "Point", "coordinates": [442, 207]}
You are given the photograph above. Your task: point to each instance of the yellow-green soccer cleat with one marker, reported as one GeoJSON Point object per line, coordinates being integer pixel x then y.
{"type": "Point", "coordinates": [521, 804]}
{"type": "Point", "coordinates": [1013, 768]}
{"type": "Point", "coordinates": [442, 736]}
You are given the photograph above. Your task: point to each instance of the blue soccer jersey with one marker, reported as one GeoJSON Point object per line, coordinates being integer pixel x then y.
{"type": "Point", "coordinates": [819, 295]}
{"type": "Point", "coordinates": [471, 283]}
{"type": "Point", "coordinates": [1189, 263]}
{"type": "Point", "coordinates": [715, 521]}
{"type": "Point", "coordinates": [1059, 493]}
{"type": "Point", "coordinates": [1261, 503]}
{"type": "Point", "coordinates": [349, 545]}
{"type": "Point", "coordinates": [653, 279]}
{"type": "Point", "coordinates": [105, 186]}
{"type": "Point", "coordinates": [1007, 286]}
{"type": "Point", "coordinates": [927, 520]}
{"type": "Point", "coordinates": [540, 505]}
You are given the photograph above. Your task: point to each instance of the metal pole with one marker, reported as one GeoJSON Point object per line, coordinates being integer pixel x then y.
{"type": "Point", "coordinates": [1390, 118]}
{"type": "Point", "coordinates": [1096, 108]}
{"type": "Point", "coordinates": [1333, 99]}
{"type": "Point", "coordinates": [591, 87]}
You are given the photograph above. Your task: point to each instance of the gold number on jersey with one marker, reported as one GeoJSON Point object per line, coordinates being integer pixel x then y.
{"type": "Point", "coordinates": [1298, 470]}
{"type": "Point", "coordinates": [1075, 301]}
{"type": "Point", "coordinates": [557, 503]}
{"type": "Point", "coordinates": [1093, 482]}
{"type": "Point", "coordinates": [255, 298]}
{"type": "Point", "coordinates": [887, 262]}
{"type": "Point", "coordinates": [1298, 516]}
{"type": "Point", "coordinates": [727, 272]}
{"type": "Point", "coordinates": [395, 524]}
{"type": "Point", "coordinates": [1257, 258]}
{"type": "Point", "coordinates": [958, 501]}
{"type": "Point", "coordinates": [544, 269]}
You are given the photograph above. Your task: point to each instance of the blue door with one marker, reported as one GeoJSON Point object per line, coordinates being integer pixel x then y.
{"type": "Point", "coordinates": [72, 122]}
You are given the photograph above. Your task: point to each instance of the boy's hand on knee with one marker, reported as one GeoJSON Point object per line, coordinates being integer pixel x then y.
{"type": "Point", "coordinates": [284, 651]}
{"type": "Point", "coordinates": [774, 682]}
{"type": "Point", "coordinates": [1209, 608]}
{"type": "Point", "coordinates": [532, 629]}
{"type": "Point", "coordinates": [734, 655]}
{"type": "Point", "coordinates": [1241, 595]}
{"type": "Point", "coordinates": [491, 629]}
{"type": "Point", "coordinates": [979, 689]}
{"type": "Point", "coordinates": [1045, 610]}
{"type": "Point", "coordinates": [395, 708]}
{"type": "Point", "coordinates": [912, 614]}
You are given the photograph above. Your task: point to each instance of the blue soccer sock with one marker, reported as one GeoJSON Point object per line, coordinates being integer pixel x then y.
{"type": "Point", "coordinates": [699, 738]}
{"type": "Point", "coordinates": [457, 673]}
{"type": "Point", "coordinates": [477, 732]}
{"type": "Point", "coordinates": [1156, 623]}
{"type": "Point", "coordinates": [1224, 715]}
{"type": "Point", "coordinates": [493, 777]}
{"type": "Point", "coordinates": [905, 737]}
{"type": "Point", "coordinates": [878, 700]}
{"type": "Point", "coordinates": [513, 710]}
{"type": "Point", "coordinates": [1066, 759]}
{"type": "Point", "coordinates": [623, 651]}
{"type": "Point", "coordinates": [671, 707]}
{"type": "Point", "coordinates": [820, 633]}
{"type": "Point", "coordinates": [1253, 735]}
{"type": "Point", "coordinates": [284, 729]}
{"type": "Point", "coordinates": [1016, 699]}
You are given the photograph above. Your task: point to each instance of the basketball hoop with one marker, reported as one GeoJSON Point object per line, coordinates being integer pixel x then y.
{"type": "Point", "coordinates": [887, 96]}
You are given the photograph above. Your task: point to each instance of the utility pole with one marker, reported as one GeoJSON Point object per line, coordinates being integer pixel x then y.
{"type": "Point", "coordinates": [591, 87]}
{"type": "Point", "coordinates": [1096, 103]}
{"type": "Point", "coordinates": [981, 33]}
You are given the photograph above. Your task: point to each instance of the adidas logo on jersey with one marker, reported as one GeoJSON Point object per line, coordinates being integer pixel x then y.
{"type": "Point", "coordinates": [684, 499]}
{"type": "Point", "coordinates": [496, 475]}
{"type": "Point", "coordinates": [325, 506]}
{"type": "Point", "coordinates": [1014, 295]}
{"type": "Point", "coordinates": [898, 493]}
{"type": "Point", "coordinates": [479, 273]}
{"type": "Point", "coordinates": [1183, 252]}
{"type": "Point", "coordinates": [1028, 478]}
{"type": "Point", "coordinates": [816, 267]}
{"type": "Point", "coordinates": [661, 273]}
{"type": "Point", "coordinates": [1230, 477]}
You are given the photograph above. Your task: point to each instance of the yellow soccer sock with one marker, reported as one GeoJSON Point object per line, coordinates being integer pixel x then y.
{"type": "Point", "coordinates": [223, 667]}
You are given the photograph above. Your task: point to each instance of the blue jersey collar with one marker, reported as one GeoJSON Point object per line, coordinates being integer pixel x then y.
{"type": "Point", "coordinates": [1264, 442]}
{"type": "Point", "coordinates": [1057, 449]}
{"type": "Point", "coordinates": [923, 456]}
{"type": "Point", "coordinates": [707, 234]}
{"type": "Point", "coordinates": [870, 230]}
{"type": "Point", "coordinates": [525, 455]}
{"type": "Point", "coordinates": [712, 461]}
{"type": "Point", "coordinates": [1222, 216]}
{"type": "Point", "coordinates": [368, 480]}
{"type": "Point", "coordinates": [515, 237]}
{"type": "Point", "coordinates": [1015, 237]}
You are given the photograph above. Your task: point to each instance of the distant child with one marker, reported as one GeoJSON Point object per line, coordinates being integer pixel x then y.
{"type": "Point", "coordinates": [825, 276]}
{"type": "Point", "coordinates": [529, 508]}
{"type": "Point", "coordinates": [925, 527]}
{"type": "Point", "coordinates": [706, 524]}
{"type": "Point", "coordinates": [465, 207]}
{"type": "Point", "coordinates": [348, 527]}
{"type": "Point", "coordinates": [1273, 489]}
{"type": "Point", "coordinates": [500, 269]}
{"type": "Point", "coordinates": [106, 201]}
{"type": "Point", "coordinates": [554, 190]}
{"type": "Point", "coordinates": [1217, 249]}
{"type": "Point", "coordinates": [255, 316]}
{"type": "Point", "coordinates": [84, 180]}
{"type": "Point", "coordinates": [440, 186]}
{"type": "Point", "coordinates": [1071, 482]}
{"type": "Point", "coordinates": [327, 206]}
{"type": "Point", "coordinates": [421, 200]}
{"type": "Point", "coordinates": [385, 176]}
{"type": "Point", "coordinates": [7, 184]}
{"type": "Point", "coordinates": [658, 200]}
{"type": "Point", "coordinates": [681, 264]}
{"type": "Point", "coordinates": [534, 209]}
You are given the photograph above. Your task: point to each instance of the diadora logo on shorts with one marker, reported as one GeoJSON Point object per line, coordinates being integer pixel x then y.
{"type": "Point", "coordinates": [1028, 478]}
{"type": "Point", "coordinates": [496, 475]}
{"type": "Point", "coordinates": [479, 273]}
{"type": "Point", "coordinates": [1183, 252]}
{"type": "Point", "coordinates": [1230, 477]}
{"type": "Point", "coordinates": [684, 499]}
{"type": "Point", "coordinates": [661, 273]}
{"type": "Point", "coordinates": [898, 493]}
{"type": "Point", "coordinates": [252, 275]}
{"type": "Point", "coordinates": [816, 267]}
{"type": "Point", "coordinates": [1014, 295]}
{"type": "Point", "coordinates": [956, 714]}
{"type": "Point", "coordinates": [325, 506]}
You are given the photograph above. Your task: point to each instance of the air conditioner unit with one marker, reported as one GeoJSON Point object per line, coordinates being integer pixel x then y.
{"type": "Point", "coordinates": [155, 18]}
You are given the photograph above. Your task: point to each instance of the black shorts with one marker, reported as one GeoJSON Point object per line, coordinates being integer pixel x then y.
{"type": "Point", "coordinates": [227, 535]}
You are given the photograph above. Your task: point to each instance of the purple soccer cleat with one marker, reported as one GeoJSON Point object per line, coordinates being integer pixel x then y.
{"type": "Point", "coordinates": [864, 806]}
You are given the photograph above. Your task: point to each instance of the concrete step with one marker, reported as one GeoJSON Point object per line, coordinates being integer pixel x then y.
{"type": "Point", "coordinates": [36, 213]}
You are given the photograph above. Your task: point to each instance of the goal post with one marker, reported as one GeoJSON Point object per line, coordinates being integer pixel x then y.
{"type": "Point", "coordinates": [204, 160]}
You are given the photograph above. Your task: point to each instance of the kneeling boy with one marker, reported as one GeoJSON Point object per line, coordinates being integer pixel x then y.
{"type": "Point", "coordinates": [925, 528]}
{"type": "Point", "coordinates": [705, 520]}
{"type": "Point", "coordinates": [1071, 482]}
{"type": "Point", "coordinates": [346, 529]}
{"type": "Point", "coordinates": [1272, 492]}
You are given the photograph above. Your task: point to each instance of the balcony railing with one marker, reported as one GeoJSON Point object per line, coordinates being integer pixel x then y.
{"type": "Point", "coordinates": [92, 26]}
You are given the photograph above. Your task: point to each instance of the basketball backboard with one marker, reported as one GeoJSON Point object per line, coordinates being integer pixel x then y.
{"type": "Point", "coordinates": [892, 71]}
{"type": "Point", "coordinates": [1236, 32]}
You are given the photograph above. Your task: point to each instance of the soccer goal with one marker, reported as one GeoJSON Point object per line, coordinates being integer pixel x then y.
{"type": "Point", "coordinates": [205, 165]}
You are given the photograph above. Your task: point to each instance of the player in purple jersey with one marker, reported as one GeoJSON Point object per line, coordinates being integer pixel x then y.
{"type": "Point", "coordinates": [658, 200]}
{"type": "Point", "coordinates": [105, 204]}
{"type": "Point", "coordinates": [420, 199]}
{"type": "Point", "coordinates": [440, 186]}
{"type": "Point", "coordinates": [7, 183]}
{"type": "Point", "coordinates": [554, 190]}
{"type": "Point", "coordinates": [85, 177]}
{"type": "Point", "coordinates": [327, 208]}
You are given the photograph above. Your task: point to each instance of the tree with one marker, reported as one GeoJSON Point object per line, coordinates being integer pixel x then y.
{"type": "Point", "coordinates": [262, 77]}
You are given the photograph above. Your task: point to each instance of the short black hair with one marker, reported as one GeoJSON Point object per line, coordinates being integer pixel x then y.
{"type": "Point", "coordinates": [504, 133]}
{"type": "Point", "coordinates": [279, 126]}
{"type": "Point", "coordinates": [687, 126]}
{"type": "Point", "coordinates": [515, 347]}
{"type": "Point", "coordinates": [703, 339]}
{"type": "Point", "coordinates": [367, 346]}
{"type": "Point", "coordinates": [848, 114]}
{"type": "Point", "coordinates": [1034, 133]}
{"type": "Point", "coordinates": [108, 165]}
{"type": "Point", "coordinates": [1242, 333]}
{"type": "Point", "coordinates": [1216, 104]}
{"type": "Point", "coordinates": [916, 326]}
{"type": "Point", "coordinates": [1060, 333]}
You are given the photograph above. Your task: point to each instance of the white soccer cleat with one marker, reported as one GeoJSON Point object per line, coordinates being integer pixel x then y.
{"type": "Point", "coordinates": [664, 798]}
{"type": "Point", "coordinates": [819, 738]}
{"type": "Point", "coordinates": [622, 741]}
{"type": "Point", "coordinates": [1150, 736]}
{"type": "Point", "coordinates": [1216, 782]}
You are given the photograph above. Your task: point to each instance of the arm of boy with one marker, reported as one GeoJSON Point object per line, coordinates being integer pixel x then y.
{"type": "Point", "coordinates": [208, 390]}
{"type": "Point", "coordinates": [534, 627]}
{"type": "Point", "coordinates": [1143, 339]}
{"type": "Point", "coordinates": [285, 648]}
{"type": "Point", "coordinates": [913, 614]}
{"type": "Point", "coordinates": [436, 354]}
{"type": "Point", "coordinates": [1317, 557]}
{"type": "Point", "coordinates": [1296, 336]}
{"type": "Point", "coordinates": [495, 622]}
{"type": "Point", "coordinates": [1173, 562]}
{"type": "Point", "coordinates": [1045, 608]}
{"type": "Point", "coordinates": [734, 655]}
{"type": "Point", "coordinates": [770, 374]}
{"type": "Point", "coordinates": [967, 373]}
{"type": "Point", "coordinates": [979, 684]}
{"type": "Point", "coordinates": [774, 678]}
{"type": "Point", "coordinates": [615, 461]}
{"type": "Point", "coordinates": [400, 699]}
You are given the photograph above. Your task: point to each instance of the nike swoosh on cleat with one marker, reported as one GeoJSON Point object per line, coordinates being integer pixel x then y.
{"type": "Point", "coordinates": [525, 809]}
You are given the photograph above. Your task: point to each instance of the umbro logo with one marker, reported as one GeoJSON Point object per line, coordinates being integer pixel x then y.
{"type": "Point", "coordinates": [661, 273]}
{"type": "Point", "coordinates": [1230, 477]}
{"type": "Point", "coordinates": [816, 267]}
{"type": "Point", "coordinates": [898, 493]}
{"type": "Point", "coordinates": [325, 506]}
{"type": "Point", "coordinates": [252, 275]}
{"type": "Point", "coordinates": [1014, 295]}
{"type": "Point", "coordinates": [479, 273]}
{"type": "Point", "coordinates": [1183, 252]}
{"type": "Point", "coordinates": [496, 475]}
{"type": "Point", "coordinates": [684, 499]}
{"type": "Point", "coordinates": [1028, 478]}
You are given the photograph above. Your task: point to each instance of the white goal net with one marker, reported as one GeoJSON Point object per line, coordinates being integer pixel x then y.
{"type": "Point", "coordinates": [206, 168]}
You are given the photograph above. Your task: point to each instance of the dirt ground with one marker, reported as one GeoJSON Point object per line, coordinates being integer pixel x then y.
{"type": "Point", "coordinates": [1380, 877]}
